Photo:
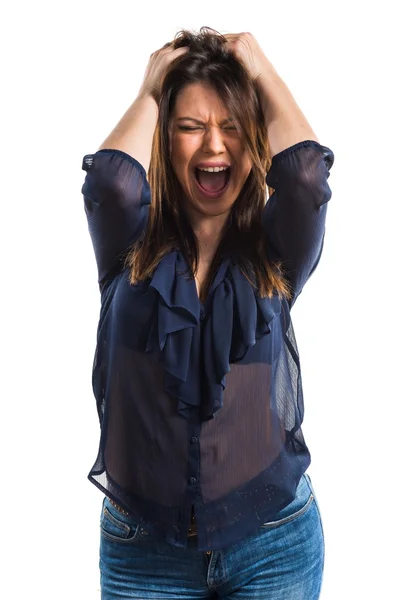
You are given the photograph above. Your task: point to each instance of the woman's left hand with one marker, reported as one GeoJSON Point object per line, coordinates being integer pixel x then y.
{"type": "Point", "coordinates": [246, 49]}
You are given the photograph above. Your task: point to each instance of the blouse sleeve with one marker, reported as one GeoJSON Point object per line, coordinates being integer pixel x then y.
{"type": "Point", "coordinates": [294, 215]}
{"type": "Point", "coordinates": [116, 201]}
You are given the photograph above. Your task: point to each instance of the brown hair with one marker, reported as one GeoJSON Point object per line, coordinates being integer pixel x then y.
{"type": "Point", "coordinates": [209, 62]}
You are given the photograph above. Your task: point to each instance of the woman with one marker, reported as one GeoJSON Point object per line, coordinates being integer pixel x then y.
{"type": "Point", "coordinates": [196, 374]}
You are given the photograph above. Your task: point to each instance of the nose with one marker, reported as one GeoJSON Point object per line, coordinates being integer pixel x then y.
{"type": "Point", "coordinates": [213, 140]}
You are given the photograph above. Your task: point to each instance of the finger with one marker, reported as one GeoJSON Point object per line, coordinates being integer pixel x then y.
{"type": "Point", "coordinates": [168, 47]}
{"type": "Point", "coordinates": [180, 50]}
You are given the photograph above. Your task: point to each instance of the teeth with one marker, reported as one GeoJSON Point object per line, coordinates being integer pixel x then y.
{"type": "Point", "coordinates": [213, 169]}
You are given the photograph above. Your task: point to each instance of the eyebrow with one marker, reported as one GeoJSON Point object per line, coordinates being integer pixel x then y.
{"type": "Point", "coordinates": [229, 119]}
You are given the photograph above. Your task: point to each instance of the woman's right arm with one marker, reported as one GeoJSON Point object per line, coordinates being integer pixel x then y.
{"type": "Point", "coordinates": [134, 132]}
{"type": "Point", "coordinates": [116, 197]}
{"type": "Point", "coordinates": [116, 191]}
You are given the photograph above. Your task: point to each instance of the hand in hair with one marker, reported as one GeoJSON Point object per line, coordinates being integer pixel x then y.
{"type": "Point", "coordinates": [155, 70]}
{"type": "Point", "coordinates": [246, 49]}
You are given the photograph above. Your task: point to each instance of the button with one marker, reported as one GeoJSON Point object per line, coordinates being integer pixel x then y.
{"type": "Point", "coordinates": [193, 480]}
{"type": "Point", "coordinates": [202, 316]}
{"type": "Point", "coordinates": [193, 439]}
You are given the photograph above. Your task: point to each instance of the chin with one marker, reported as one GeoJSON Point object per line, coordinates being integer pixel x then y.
{"type": "Point", "coordinates": [213, 208]}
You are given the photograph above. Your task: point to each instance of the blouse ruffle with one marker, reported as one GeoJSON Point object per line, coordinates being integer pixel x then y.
{"type": "Point", "coordinates": [236, 319]}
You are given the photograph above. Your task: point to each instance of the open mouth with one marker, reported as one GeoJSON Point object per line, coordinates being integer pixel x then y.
{"type": "Point", "coordinates": [212, 184]}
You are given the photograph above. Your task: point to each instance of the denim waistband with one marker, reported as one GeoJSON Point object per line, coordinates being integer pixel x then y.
{"type": "Point", "coordinates": [192, 529]}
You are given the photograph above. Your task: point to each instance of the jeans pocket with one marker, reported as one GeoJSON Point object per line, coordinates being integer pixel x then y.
{"type": "Point", "coordinates": [306, 475]}
{"type": "Point", "coordinates": [299, 505]}
{"type": "Point", "coordinates": [310, 485]}
{"type": "Point", "coordinates": [117, 526]}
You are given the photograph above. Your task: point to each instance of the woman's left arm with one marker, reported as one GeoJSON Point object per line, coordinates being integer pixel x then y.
{"type": "Point", "coordinates": [285, 122]}
{"type": "Point", "coordinates": [294, 216]}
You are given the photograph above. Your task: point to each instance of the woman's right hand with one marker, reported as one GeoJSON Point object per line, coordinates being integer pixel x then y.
{"type": "Point", "coordinates": [157, 65]}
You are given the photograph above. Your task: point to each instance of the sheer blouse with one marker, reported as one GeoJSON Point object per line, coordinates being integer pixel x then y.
{"type": "Point", "coordinates": [201, 405]}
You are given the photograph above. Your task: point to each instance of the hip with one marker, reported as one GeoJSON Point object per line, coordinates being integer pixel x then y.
{"type": "Point", "coordinates": [285, 552]}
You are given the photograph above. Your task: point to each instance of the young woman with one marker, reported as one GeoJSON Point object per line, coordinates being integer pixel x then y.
{"type": "Point", "coordinates": [196, 374]}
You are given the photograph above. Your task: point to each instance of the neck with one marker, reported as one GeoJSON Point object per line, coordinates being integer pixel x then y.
{"type": "Point", "coordinates": [208, 233]}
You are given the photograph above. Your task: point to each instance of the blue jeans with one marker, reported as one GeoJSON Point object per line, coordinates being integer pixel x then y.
{"type": "Point", "coordinates": [282, 560]}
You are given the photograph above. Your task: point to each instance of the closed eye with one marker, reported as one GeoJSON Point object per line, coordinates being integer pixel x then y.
{"type": "Point", "coordinates": [194, 128]}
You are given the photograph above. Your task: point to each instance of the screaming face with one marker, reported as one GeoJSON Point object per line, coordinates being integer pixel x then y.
{"type": "Point", "coordinates": [207, 153]}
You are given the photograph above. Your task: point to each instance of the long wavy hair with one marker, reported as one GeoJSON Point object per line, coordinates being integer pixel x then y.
{"type": "Point", "coordinates": [168, 228]}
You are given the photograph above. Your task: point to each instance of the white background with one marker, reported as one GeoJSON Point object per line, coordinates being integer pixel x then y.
{"type": "Point", "coordinates": [69, 72]}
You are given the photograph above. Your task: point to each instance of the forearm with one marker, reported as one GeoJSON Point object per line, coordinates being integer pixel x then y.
{"type": "Point", "coordinates": [134, 132]}
{"type": "Point", "coordinates": [286, 124]}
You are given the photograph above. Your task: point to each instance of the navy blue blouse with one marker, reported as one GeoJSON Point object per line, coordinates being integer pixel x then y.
{"type": "Point", "coordinates": [201, 405]}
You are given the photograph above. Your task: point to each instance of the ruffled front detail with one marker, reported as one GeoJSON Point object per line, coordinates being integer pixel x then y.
{"type": "Point", "coordinates": [177, 314]}
{"type": "Point", "coordinates": [238, 318]}
{"type": "Point", "coordinates": [196, 364]}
